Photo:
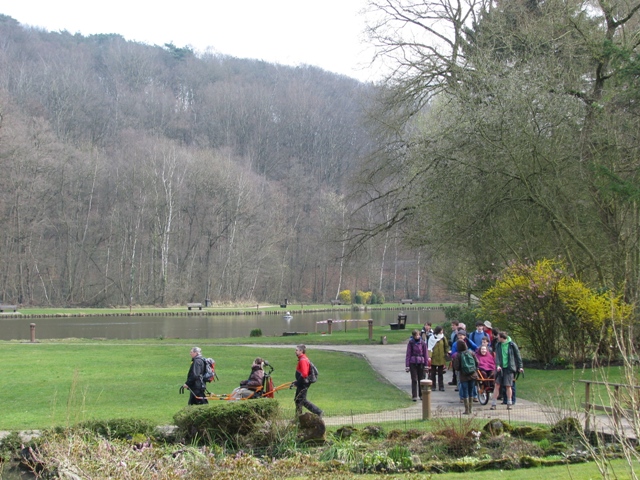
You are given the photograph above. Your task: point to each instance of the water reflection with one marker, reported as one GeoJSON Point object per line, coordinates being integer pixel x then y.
{"type": "Point", "coordinates": [210, 327]}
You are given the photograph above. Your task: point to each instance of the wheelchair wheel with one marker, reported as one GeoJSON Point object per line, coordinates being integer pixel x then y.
{"type": "Point", "coordinates": [483, 394]}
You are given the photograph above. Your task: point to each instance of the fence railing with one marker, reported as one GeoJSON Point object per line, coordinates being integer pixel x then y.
{"type": "Point", "coordinates": [616, 409]}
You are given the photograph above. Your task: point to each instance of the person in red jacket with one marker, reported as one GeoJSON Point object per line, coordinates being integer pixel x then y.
{"type": "Point", "coordinates": [302, 384]}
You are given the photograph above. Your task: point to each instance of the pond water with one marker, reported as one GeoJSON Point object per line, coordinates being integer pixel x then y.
{"type": "Point", "coordinates": [205, 326]}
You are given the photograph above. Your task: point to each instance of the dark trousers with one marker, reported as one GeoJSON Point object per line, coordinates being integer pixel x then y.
{"type": "Point", "coordinates": [197, 392]}
{"type": "Point", "coordinates": [417, 374]}
{"type": "Point", "coordinates": [437, 370]}
{"type": "Point", "coordinates": [301, 399]}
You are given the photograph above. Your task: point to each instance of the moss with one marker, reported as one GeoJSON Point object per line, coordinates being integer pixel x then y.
{"type": "Point", "coordinates": [567, 427]}
{"type": "Point", "coordinates": [530, 433]}
{"type": "Point", "coordinates": [530, 462]}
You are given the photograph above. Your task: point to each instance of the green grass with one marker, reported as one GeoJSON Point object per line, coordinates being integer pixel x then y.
{"type": "Point", "coordinates": [581, 471]}
{"type": "Point", "coordinates": [50, 384]}
{"type": "Point", "coordinates": [564, 388]}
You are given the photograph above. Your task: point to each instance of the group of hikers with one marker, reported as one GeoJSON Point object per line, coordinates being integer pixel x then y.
{"type": "Point", "coordinates": [196, 383]}
{"type": "Point", "coordinates": [486, 352]}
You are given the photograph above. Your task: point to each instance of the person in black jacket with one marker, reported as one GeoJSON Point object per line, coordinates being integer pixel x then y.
{"type": "Point", "coordinates": [194, 382]}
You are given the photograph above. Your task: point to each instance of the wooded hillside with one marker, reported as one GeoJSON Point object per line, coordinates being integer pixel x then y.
{"type": "Point", "coordinates": [149, 174]}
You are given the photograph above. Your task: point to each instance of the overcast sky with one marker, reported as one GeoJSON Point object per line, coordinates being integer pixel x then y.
{"type": "Point", "coordinates": [328, 33]}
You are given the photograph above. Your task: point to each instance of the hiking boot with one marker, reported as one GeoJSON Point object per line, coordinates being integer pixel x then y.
{"type": "Point", "coordinates": [456, 389]}
{"type": "Point", "coordinates": [509, 406]}
{"type": "Point", "coordinates": [493, 407]}
{"type": "Point", "coordinates": [415, 399]}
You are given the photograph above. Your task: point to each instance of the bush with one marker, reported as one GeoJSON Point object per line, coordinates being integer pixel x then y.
{"type": "Point", "coordinates": [119, 428]}
{"type": "Point", "coordinates": [345, 297]}
{"type": "Point", "coordinates": [256, 332]}
{"type": "Point", "coordinates": [224, 421]}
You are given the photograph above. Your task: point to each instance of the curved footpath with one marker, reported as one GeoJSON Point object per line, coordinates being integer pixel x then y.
{"type": "Point", "coordinates": [388, 361]}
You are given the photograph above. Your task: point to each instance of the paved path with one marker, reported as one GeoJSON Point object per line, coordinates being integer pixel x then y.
{"type": "Point", "coordinates": [388, 361]}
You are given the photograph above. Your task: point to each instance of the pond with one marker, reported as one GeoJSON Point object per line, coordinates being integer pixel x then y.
{"type": "Point", "coordinates": [199, 326]}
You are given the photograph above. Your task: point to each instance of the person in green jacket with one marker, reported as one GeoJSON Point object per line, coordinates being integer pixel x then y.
{"type": "Point", "coordinates": [508, 363]}
{"type": "Point", "coordinates": [438, 348]}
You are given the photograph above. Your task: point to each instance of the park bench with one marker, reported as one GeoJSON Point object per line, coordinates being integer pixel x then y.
{"type": "Point", "coordinates": [406, 300]}
{"type": "Point", "coordinates": [194, 305]}
{"type": "Point", "coordinates": [336, 302]}
{"type": "Point", "coordinates": [401, 324]}
{"type": "Point", "coordinates": [4, 308]}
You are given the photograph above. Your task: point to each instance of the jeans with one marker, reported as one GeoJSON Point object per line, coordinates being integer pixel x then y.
{"type": "Point", "coordinates": [466, 388]}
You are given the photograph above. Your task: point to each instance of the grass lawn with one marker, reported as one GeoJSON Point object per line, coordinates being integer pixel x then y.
{"type": "Point", "coordinates": [48, 384]}
{"type": "Point", "coordinates": [563, 387]}
{"type": "Point", "coordinates": [581, 471]}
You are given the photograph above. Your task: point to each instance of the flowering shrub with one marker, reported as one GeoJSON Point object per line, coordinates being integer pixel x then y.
{"type": "Point", "coordinates": [345, 297]}
{"type": "Point", "coordinates": [553, 311]}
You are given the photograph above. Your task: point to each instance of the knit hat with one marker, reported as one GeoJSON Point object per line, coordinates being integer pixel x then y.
{"type": "Point", "coordinates": [462, 332]}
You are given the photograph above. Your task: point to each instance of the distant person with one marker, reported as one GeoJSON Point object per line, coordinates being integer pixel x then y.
{"type": "Point", "coordinates": [194, 382]}
{"type": "Point", "coordinates": [250, 386]}
{"type": "Point", "coordinates": [467, 378]}
{"type": "Point", "coordinates": [302, 383]}
{"type": "Point", "coordinates": [479, 333]}
{"type": "Point", "coordinates": [415, 362]}
{"type": "Point", "coordinates": [508, 363]}
{"type": "Point", "coordinates": [438, 348]}
{"type": "Point", "coordinates": [426, 332]}
{"type": "Point", "coordinates": [453, 339]}
{"type": "Point", "coordinates": [486, 362]}
{"type": "Point", "coordinates": [488, 329]}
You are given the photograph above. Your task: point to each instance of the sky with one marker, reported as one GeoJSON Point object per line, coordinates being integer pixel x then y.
{"type": "Point", "coordinates": [328, 34]}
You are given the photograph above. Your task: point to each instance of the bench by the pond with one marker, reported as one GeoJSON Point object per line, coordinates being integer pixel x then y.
{"type": "Point", "coordinates": [6, 308]}
{"type": "Point", "coordinates": [194, 305]}
{"type": "Point", "coordinates": [406, 300]}
{"type": "Point", "coordinates": [402, 323]}
{"type": "Point", "coordinates": [336, 302]}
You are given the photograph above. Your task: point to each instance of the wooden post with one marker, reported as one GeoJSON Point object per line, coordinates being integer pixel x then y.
{"type": "Point", "coordinates": [370, 323]}
{"type": "Point", "coordinates": [587, 405]}
{"type": "Point", "coordinates": [33, 332]}
{"type": "Point", "coordinates": [425, 386]}
{"type": "Point", "coordinates": [616, 406]}
{"type": "Point", "coordinates": [329, 326]}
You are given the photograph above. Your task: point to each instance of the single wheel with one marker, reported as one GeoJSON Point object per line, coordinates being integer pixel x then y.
{"type": "Point", "coordinates": [483, 394]}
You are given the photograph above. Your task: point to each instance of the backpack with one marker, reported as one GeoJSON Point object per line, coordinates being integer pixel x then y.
{"type": "Point", "coordinates": [313, 373]}
{"type": "Point", "coordinates": [210, 370]}
{"type": "Point", "coordinates": [467, 363]}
